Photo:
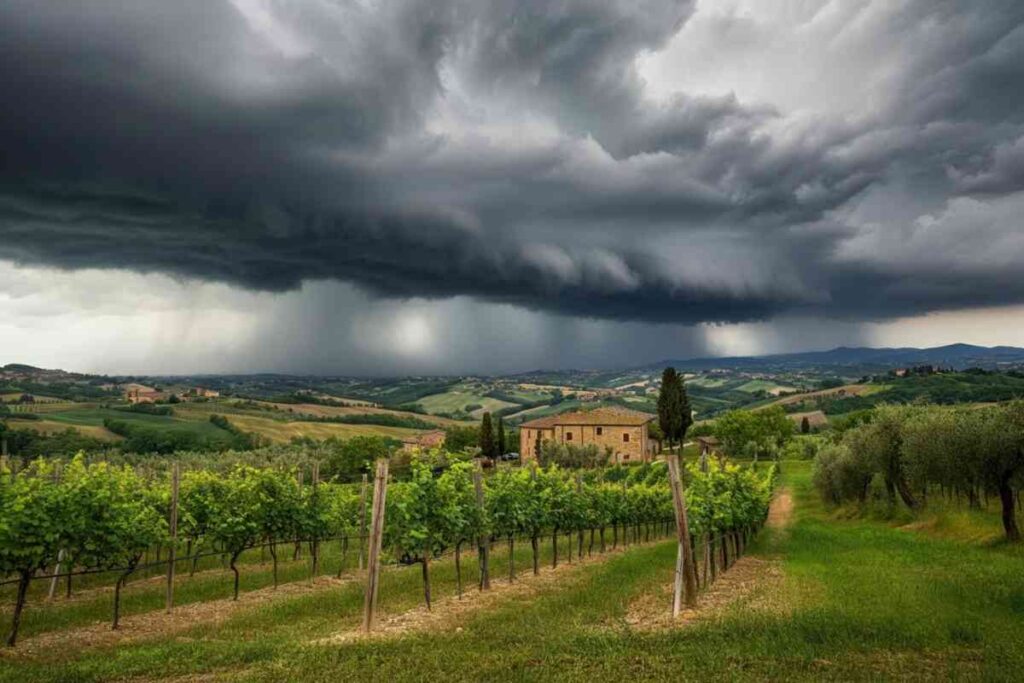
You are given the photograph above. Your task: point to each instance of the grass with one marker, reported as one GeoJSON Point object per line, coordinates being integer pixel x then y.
{"type": "Point", "coordinates": [707, 382]}
{"type": "Point", "coordinates": [860, 599]}
{"type": "Point", "coordinates": [54, 427]}
{"type": "Point", "coordinates": [456, 401]}
{"type": "Point", "coordinates": [763, 385]}
{"type": "Point", "coordinates": [280, 431]}
{"type": "Point", "coordinates": [317, 410]}
{"type": "Point", "coordinates": [195, 418]}
{"type": "Point", "coordinates": [93, 417]}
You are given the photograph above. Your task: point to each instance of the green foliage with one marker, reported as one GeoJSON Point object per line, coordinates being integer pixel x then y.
{"type": "Point", "coordinates": [32, 519]}
{"type": "Point", "coordinates": [753, 433]}
{"type": "Point", "coordinates": [909, 448]}
{"type": "Point", "coordinates": [573, 456]}
{"type": "Point", "coordinates": [347, 460]}
{"type": "Point", "coordinates": [382, 419]}
{"type": "Point", "coordinates": [140, 438]}
{"type": "Point", "coordinates": [674, 412]}
{"type": "Point", "coordinates": [499, 438]}
{"type": "Point", "coordinates": [30, 444]}
{"type": "Point", "coordinates": [146, 409]}
{"type": "Point", "coordinates": [106, 516]}
{"type": "Point", "coordinates": [415, 525]}
{"type": "Point", "coordinates": [112, 515]}
{"type": "Point", "coordinates": [488, 444]}
{"type": "Point", "coordinates": [458, 438]}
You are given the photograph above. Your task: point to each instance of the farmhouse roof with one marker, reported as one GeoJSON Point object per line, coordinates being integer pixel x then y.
{"type": "Point", "coordinates": [597, 417]}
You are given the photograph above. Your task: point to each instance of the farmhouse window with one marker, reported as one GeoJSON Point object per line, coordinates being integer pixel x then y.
{"type": "Point", "coordinates": [600, 431]}
{"type": "Point", "coordinates": [625, 437]}
{"type": "Point", "coordinates": [568, 436]}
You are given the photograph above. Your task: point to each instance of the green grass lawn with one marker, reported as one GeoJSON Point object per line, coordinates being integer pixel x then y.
{"type": "Point", "coordinates": [858, 599]}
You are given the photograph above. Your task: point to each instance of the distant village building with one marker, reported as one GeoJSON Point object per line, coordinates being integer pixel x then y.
{"type": "Point", "coordinates": [200, 392]}
{"type": "Point", "coordinates": [432, 439]}
{"type": "Point", "coordinates": [623, 431]}
{"type": "Point", "coordinates": [140, 393]}
{"type": "Point", "coordinates": [708, 445]}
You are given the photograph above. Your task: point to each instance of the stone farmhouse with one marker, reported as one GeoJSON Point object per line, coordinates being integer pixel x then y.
{"type": "Point", "coordinates": [140, 393]}
{"type": "Point", "coordinates": [431, 439]}
{"type": "Point", "coordinates": [622, 430]}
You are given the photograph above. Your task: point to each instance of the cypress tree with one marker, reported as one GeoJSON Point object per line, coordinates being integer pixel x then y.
{"type": "Point", "coordinates": [486, 437]}
{"type": "Point", "coordinates": [805, 426]}
{"type": "Point", "coordinates": [685, 411]}
{"type": "Point", "coordinates": [501, 437]}
{"type": "Point", "coordinates": [669, 408]}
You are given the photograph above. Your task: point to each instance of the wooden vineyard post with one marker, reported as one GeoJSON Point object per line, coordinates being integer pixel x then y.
{"type": "Point", "coordinates": [625, 524]}
{"type": "Point", "coordinates": [483, 547]}
{"type": "Point", "coordinates": [380, 490]}
{"type": "Point", "coordinates": [579, 539]}
{"type": "Point", "coordinates": [362, 521]}
{"type": "Point", "coordinates": [685, 570]}
{"type": "Point", "coordinates": [315, 542]}
{"type": "Point", "coordinates": [297, 552]}
{"type": "Point", "coordinates": [56, 574]}
{"type": "Point", "coordinates": [173, 528]}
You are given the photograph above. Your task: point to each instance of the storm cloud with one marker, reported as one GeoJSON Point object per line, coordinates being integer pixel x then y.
{"type": "Point", "coordinates": [654, 161]}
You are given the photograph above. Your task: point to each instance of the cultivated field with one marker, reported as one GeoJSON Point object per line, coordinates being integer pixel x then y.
{"type": "Point", "coordinates": [458, 401]}
{"type": "Point", "coordinates": [845, 390]}
{"type": "Point", "coordinates": [282, 431]}
{"type": "Point", "coordinates": [317, 410]}
{"type": "Point", "coordinates": [277, 422]}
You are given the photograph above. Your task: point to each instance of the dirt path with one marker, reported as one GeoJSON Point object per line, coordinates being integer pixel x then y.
{"type": "Point", "coordinates": [780, 514]}
{"type": "Point", "coordinates": [745, 584]}
{"type": "Point", "coordinates": [157, 623]}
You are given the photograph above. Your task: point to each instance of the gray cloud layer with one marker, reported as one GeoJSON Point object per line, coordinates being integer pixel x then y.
{"type": "Point", "coordinates": [511, 152]}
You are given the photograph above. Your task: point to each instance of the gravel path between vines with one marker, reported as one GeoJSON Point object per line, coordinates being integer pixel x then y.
{"type": "Point", "coordinates": [86, 594]}
{"type": "Point", "coordinates": [157, 623]}
{"type": "Point", "coordinates": [746, 583]}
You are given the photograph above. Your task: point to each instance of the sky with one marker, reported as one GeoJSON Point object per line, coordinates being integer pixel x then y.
{"type": "Point", "coordinates": [469, 186]}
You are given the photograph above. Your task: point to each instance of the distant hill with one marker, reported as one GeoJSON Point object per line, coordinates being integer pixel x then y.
{"type": "Point", "coordinates": [957, 356]}
{"type": "Point", "coordinates": [20, 367]}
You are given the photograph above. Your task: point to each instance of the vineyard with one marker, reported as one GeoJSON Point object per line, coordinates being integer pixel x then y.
{"type": "Point", "coordinates": [101, 522]}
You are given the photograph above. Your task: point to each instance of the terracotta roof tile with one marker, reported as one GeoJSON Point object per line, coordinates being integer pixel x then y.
{"type": "Point", "coordinates": [599, 416]}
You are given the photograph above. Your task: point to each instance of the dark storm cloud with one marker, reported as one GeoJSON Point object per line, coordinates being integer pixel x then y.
{"type": "Point", "coordinates": [269, 143]}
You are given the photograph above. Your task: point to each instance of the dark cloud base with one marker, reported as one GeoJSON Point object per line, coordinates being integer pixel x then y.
{"type": "Point", "coordinates": [170, 137]}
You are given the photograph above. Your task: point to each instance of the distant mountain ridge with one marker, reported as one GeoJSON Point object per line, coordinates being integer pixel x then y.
{"type": "Point", "coordinates": [957, 356]}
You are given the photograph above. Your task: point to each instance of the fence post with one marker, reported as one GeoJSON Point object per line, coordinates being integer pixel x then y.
{"type": "Point", "coordinates": [315, 550]}
{"type": "Point", "coordinates": [172, 552]}
{"type": "Point", "coordinates": [362, 521]}
{"type": "Point", "coordinates": [685, 570]}
{"type": "Point", "coordinates": [56, 574]}
{"type": "Point", "coordinates": [380, 490]}
{"type": "Point", "coordinates": [483, 546]}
